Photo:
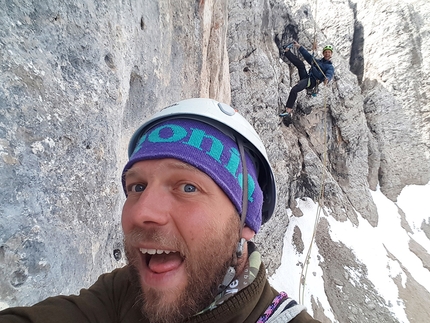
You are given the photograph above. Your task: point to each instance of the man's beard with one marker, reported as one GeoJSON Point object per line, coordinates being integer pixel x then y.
{"type": "Point", "coordinates": [205, 268]}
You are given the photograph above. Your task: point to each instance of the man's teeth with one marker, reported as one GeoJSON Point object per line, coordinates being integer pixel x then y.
{"type": "Point", "coordinates": [154, 251]}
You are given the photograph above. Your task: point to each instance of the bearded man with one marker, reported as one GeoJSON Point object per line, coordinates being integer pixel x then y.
{"type": "Point", "coordinates": [199, 186]}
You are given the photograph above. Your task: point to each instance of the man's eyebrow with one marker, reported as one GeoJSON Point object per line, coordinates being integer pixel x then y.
{"type": "Point", "coordinates": [130, 173]}
{"type": "Point", "coordinates": [183, 165]}
{"type": "Point", "coordinates": [174, 164]}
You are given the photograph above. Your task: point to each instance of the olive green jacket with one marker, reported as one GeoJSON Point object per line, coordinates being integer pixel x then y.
{"type": "Point", "coordinates": [113, 299]}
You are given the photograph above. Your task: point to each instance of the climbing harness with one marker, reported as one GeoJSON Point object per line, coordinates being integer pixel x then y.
{"type": "Point", "coordinates": [313, 91]}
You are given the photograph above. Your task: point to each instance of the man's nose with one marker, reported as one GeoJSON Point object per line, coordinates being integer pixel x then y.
{"type": "Point", "coordinates": [152, 207]}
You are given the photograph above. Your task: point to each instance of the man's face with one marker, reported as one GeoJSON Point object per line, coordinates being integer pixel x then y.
{"type": "Point", "coordinates": [327, 54]}
{"type": "Point", "coordinates": [180, 232]}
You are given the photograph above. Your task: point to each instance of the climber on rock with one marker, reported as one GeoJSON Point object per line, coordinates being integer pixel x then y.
{"type": "Point", "coordinates": [321, 70]}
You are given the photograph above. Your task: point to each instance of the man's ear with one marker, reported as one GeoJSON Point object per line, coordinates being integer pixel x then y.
{"type": "Point", "coordinates": [247, 233]}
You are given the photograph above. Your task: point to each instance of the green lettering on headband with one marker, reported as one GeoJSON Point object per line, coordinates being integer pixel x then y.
{"type": "Point", "coordinates": [178, 133]}
{"type": "Point", "coordinates": [196, 140]}
{"type": "Point", "coordinates": [139, 144]}
{"type": "Point", "coordinates": [233, 163]}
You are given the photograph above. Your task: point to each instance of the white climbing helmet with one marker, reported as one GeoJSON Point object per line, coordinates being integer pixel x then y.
{"type": "Point", "coordinates": [226, 119]}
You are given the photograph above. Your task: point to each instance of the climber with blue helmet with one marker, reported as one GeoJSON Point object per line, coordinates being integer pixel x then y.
{"type": "Point", "coordinates": [198, 187]}
{"type": "Point", "coordinates": [321, 70]}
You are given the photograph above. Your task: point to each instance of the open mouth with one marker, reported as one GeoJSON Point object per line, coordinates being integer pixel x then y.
{"type": "Point", "coordinates": [161, 261]}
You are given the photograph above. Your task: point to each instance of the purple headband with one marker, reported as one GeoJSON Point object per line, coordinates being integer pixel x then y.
{"type": "Point", "coordinates": [209, 150]}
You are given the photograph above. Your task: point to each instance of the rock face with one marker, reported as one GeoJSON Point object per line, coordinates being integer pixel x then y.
{"type": "Point", "coordinates": [77, 79]}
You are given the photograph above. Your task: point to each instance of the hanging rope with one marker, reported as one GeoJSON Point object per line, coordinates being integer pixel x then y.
{"type": "Point", "coordinates": [314, 46]}
{"type": "Point", "coordinates": [320, 207]}
{"type": "Point", "coordinates": [319, 67]}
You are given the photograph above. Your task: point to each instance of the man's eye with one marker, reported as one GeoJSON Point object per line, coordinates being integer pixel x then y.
{"type": "Point", "coordinates": [188, 188]}
{"type": "Point", "coordinates": [137, 188]}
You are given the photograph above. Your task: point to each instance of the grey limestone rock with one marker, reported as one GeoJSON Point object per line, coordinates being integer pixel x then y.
{"type": "Point", "coordinates": [78, 78]}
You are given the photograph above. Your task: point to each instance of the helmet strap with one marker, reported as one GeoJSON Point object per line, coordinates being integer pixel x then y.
{"type": "Point", "coordinates": [244, 185]}
{"type": "Point", "coordinates": [231, 271]}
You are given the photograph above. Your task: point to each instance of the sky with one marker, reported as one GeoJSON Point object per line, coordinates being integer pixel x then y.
{"type": "Point", "coordinates": [414, 200]}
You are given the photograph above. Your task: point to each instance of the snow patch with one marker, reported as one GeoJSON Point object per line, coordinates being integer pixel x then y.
{"type": "Point", "coordinates": [383, 249]}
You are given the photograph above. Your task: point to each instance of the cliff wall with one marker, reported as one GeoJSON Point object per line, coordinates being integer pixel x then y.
{"type": "Point", "coordinates": [77, 79]}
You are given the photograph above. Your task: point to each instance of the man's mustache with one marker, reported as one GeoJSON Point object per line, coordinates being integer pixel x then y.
{"type": "Point", "coordinates": [161, 238]}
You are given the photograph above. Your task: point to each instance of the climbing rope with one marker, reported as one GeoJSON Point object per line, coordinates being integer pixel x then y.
{"type": "Point", "coordinates": [320, 207]}
{"type": "Point", "coordinates": [305, 267]}
{"type": "Point", "coordinates": [319, 67]}
{"type": "Point", "coordinates": [314, 45]}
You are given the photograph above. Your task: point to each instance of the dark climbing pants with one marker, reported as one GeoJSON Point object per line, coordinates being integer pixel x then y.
{"type": "Point", "coordinates": [304, 79]}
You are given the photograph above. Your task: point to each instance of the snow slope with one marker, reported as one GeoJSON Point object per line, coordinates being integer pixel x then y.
{"type": "Point", "coordinates": [371, 246]}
